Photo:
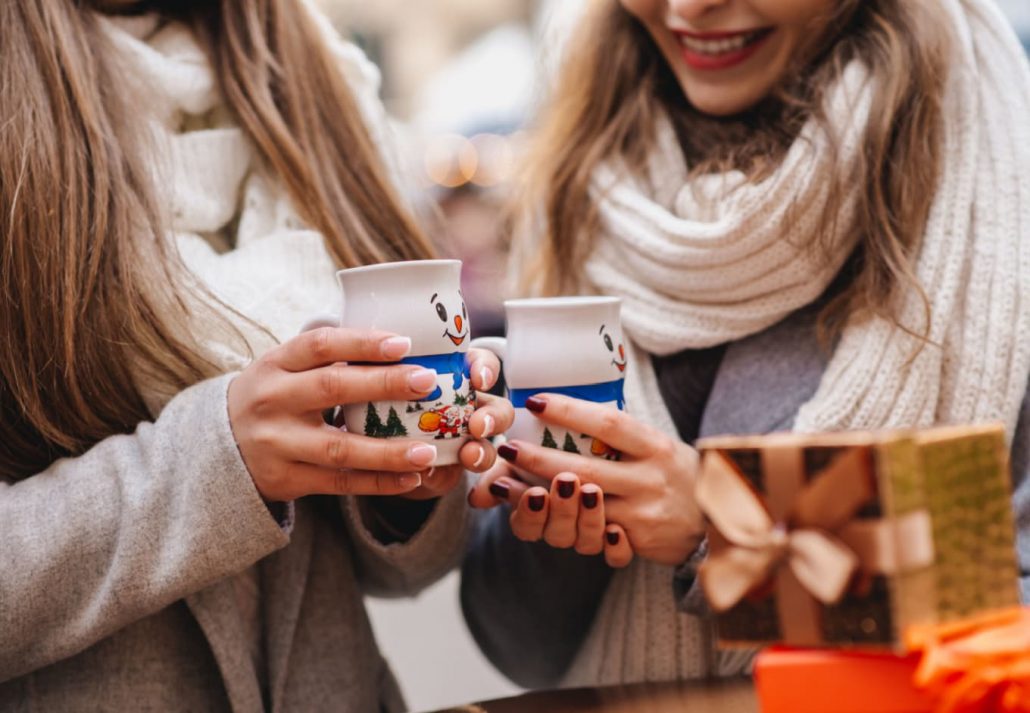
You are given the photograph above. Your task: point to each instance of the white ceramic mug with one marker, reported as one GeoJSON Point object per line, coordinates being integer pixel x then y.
{"type": "Point", "coordinates": [420, 299]}
{"type": "Point", "coordinates": [562, 345]}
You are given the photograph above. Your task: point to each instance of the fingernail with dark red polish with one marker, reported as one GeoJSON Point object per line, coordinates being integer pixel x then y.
{"type": "Point", "coordinates": [612, 537]}
{"type": "Point", "coordinates": [536, 404]}
{"type": "Point", "coordinates": [499, 490]}
{"type": "Point", "coordinates": [468, 498]}
{"type": "Point", "coordinates": [589, 498]}
{"type": "Point", "coordinates": [566, 488]}
{"type": "Point", "coordinates": [536, 502]}
{"type": "Point", "coordinates": [508, 452]}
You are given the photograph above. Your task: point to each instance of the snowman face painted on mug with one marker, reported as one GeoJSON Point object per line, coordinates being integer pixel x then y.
{"type": "Point", "coordinates": [453, 315]}
{"type": "Point", "coordinates": [614, 348]}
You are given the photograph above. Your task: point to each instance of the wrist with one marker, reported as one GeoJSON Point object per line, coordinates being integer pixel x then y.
{"type": "Point", "coordinates": [394, 520]}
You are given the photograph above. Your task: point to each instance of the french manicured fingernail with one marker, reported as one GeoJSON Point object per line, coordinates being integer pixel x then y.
{"type": "Point", "coordinates": [422, 455]}
{"type": "Point", "coordinates": [395, 347]}
{"type": "Point", "coordinates": [589, 498]}
{"type": "Point", "coordinates": [613, 537]}
{"type": "Point", "coordinates": [499, 490]}
{"type": "Point", "coordinates": [409, 480]}
{"type": "Point", "coordinates": [536, 404]}
{"type": "Point", "coordinates": [536, 502]}
{"type": "Point", "coordinates": [566, 488]}
{"type": "Point", "coordinates": [481, 458]}
{"type": "Point", "coordinates": [422, 380]}
{"type": "Point", "coordinates": [508, 452]}
{"type": "Point", "coordinates": [488, 426]}
{"type": "Point", "coordinates": [486, 377]}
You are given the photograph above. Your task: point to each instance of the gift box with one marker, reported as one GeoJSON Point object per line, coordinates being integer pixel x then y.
{"type": "Point", "coordinates": [828, 681]}
{"type": "Point", "coordinates": [849, 539]}
{"type": "Point", "coordinates": [975, 665]}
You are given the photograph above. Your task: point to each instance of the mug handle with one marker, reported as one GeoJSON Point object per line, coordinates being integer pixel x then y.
{"type": "Point", "coordinates": [322, 320]}
{"type": "Point", "coordinates": [497, 345]}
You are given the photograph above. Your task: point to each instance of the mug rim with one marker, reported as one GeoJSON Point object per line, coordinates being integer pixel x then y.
{"type": "Point", "coordinates": [562, 302]}
{"type": "Point", "coordinates": [386, 266]}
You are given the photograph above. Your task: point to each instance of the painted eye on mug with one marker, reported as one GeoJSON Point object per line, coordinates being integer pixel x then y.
{"type": "Point", "coordinates": [608, 343]}
{"type": "Point", "coordinates": [441, 311]}
{"type": "Point", "coordinates": [464, 312]}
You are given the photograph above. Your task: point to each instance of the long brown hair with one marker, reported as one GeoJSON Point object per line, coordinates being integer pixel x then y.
{"type": "Point", "coordinates": [92, 294]}
{"type": "Point", "coordinates": [614, 85]}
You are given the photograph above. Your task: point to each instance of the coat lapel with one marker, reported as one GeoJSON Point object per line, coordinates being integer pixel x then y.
{"type": "Point", "coordinates": [284, 581]}
{"type": "Point", "coordinates": [215, 610]}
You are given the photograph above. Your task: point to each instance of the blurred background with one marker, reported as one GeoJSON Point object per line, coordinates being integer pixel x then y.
{"type": "Point", "coordinates": [463, 79]}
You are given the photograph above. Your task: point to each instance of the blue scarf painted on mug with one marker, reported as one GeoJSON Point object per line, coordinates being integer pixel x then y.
{"type": "Point", "coordinates": [456, 364]}
{"type": "Point", "coordinates": [598, 393]}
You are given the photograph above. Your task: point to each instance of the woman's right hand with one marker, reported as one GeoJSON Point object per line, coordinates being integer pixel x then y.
{"type": "Point", "coordinates": [276, 406]}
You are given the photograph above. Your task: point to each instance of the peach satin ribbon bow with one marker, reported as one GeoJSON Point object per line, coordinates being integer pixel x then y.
{"type": "Point", "coordinates": [806, 538]}
{"type": "Point", "coordinates": [821, 562]}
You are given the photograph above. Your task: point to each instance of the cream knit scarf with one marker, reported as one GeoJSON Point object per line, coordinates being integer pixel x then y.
{"type": "Point", "coordinates": [710, 261]}
{"type": "Point", "coordinates": [705, 262]}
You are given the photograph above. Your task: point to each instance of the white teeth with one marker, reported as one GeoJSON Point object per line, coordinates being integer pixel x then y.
{"type": "Point", "coordinates": [717, 47]}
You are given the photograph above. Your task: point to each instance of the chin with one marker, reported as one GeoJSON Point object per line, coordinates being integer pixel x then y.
{"type": "Point", "coordinates": [720, 101]}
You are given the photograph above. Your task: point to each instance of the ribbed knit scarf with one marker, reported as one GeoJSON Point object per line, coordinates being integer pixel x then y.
{"type": "Point", "coordinates": [710, 260]}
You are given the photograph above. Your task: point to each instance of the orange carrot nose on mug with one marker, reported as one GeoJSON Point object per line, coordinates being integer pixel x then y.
{"type": "Point", "coordinates": [422, 300]}
{"type": "Point", "coordinates": [562, 345]}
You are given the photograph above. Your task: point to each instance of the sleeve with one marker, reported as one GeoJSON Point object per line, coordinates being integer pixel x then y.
{"type": "Point", "coordinates": [139, 521]}
{"type": "Point", "coordinates": [1021, 494]}
{"type": "Point", "coordinates": [390, 567]}
{"type": "Point", "coordinates": [528, 606]}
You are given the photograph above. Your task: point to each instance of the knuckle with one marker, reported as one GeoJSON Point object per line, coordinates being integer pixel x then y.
{"type": "Point", "coordinates": [589, 547]}
{"type": "Point", "coordinates": [341, 483]}
{"type": "Point", "coordinates": [337, 451]}
{"type": "Point", "coordinates": [392, 381]}
{"type": "Point", "coordinates": [320, 343]}
{"type": "Point", "coordinates": [368, 344]}
{"type": "Point", "coordinates": [665, 449]}
{"type": "Point", "coordinates": [264, 438]}
{"type": "Point", "coordinates": [331, 383]}
{"type": "Point", "coordinates": [611, 423]}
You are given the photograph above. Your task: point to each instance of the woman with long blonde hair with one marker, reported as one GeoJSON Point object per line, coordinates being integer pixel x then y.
{"type": "Point", "coordinates": [179, 182]}
{"type": "Point", "coordinates": [817, 215]}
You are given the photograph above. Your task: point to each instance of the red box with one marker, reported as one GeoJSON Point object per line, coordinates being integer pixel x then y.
{"type": "Point", "coordinates": [792, 680]}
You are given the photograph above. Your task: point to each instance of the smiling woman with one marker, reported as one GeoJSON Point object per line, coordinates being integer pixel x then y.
{"type": "Point", "coordinates": [726, 62]}
{"type": "Point", "coordinates": [798, 202]}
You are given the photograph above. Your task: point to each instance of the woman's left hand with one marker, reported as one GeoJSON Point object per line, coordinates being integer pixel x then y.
{"type": "Point", "coordinates": [649, 492]}
{"type": "Point", "coordinates": [493, 415]}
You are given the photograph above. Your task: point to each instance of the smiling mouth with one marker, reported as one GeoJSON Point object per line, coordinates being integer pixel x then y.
{"type": "Point", "coordinates": [459, 340]}
{"type": "Point", "coordinates": [620, 365]}
{"type": "Point", "coordinates": [719, 50]}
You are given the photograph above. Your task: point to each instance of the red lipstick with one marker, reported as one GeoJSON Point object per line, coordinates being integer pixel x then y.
{"type": "Point", "coordinates": [720, 50]}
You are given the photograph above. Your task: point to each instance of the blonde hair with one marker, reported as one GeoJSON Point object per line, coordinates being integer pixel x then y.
{"type": "Point", "coordinates": [615, 84]}
{"type": "Point", "coordinates": [91, 292]}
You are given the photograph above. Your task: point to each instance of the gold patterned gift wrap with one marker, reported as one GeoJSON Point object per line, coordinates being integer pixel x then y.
{"type": "Point", "coordinates": [851, 538]}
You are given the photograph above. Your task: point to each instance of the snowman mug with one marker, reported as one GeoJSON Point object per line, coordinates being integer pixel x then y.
{"type": "Point", "coordinates": [561, 345]}
{"type": "Point", "coordinates": [422, 300]}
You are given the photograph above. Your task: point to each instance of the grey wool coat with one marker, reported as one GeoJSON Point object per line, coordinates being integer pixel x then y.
{"type": "Point", "coordinates": [116, 590]}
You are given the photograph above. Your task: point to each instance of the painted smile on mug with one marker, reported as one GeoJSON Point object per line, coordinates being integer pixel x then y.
{"type": "Point", "coordinates": [459, 322]}
{"type": "Point", "coordinates": [620, 361]}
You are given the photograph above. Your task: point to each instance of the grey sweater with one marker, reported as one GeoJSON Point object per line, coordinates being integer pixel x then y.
{"type": "Point", "coordinates": [530, 607]}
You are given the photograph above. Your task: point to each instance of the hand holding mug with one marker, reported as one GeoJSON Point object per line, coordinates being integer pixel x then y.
{"type": "Point", "coordinates": [276, 406]}
{"type": "Point", "coordinates": [649, 493]}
